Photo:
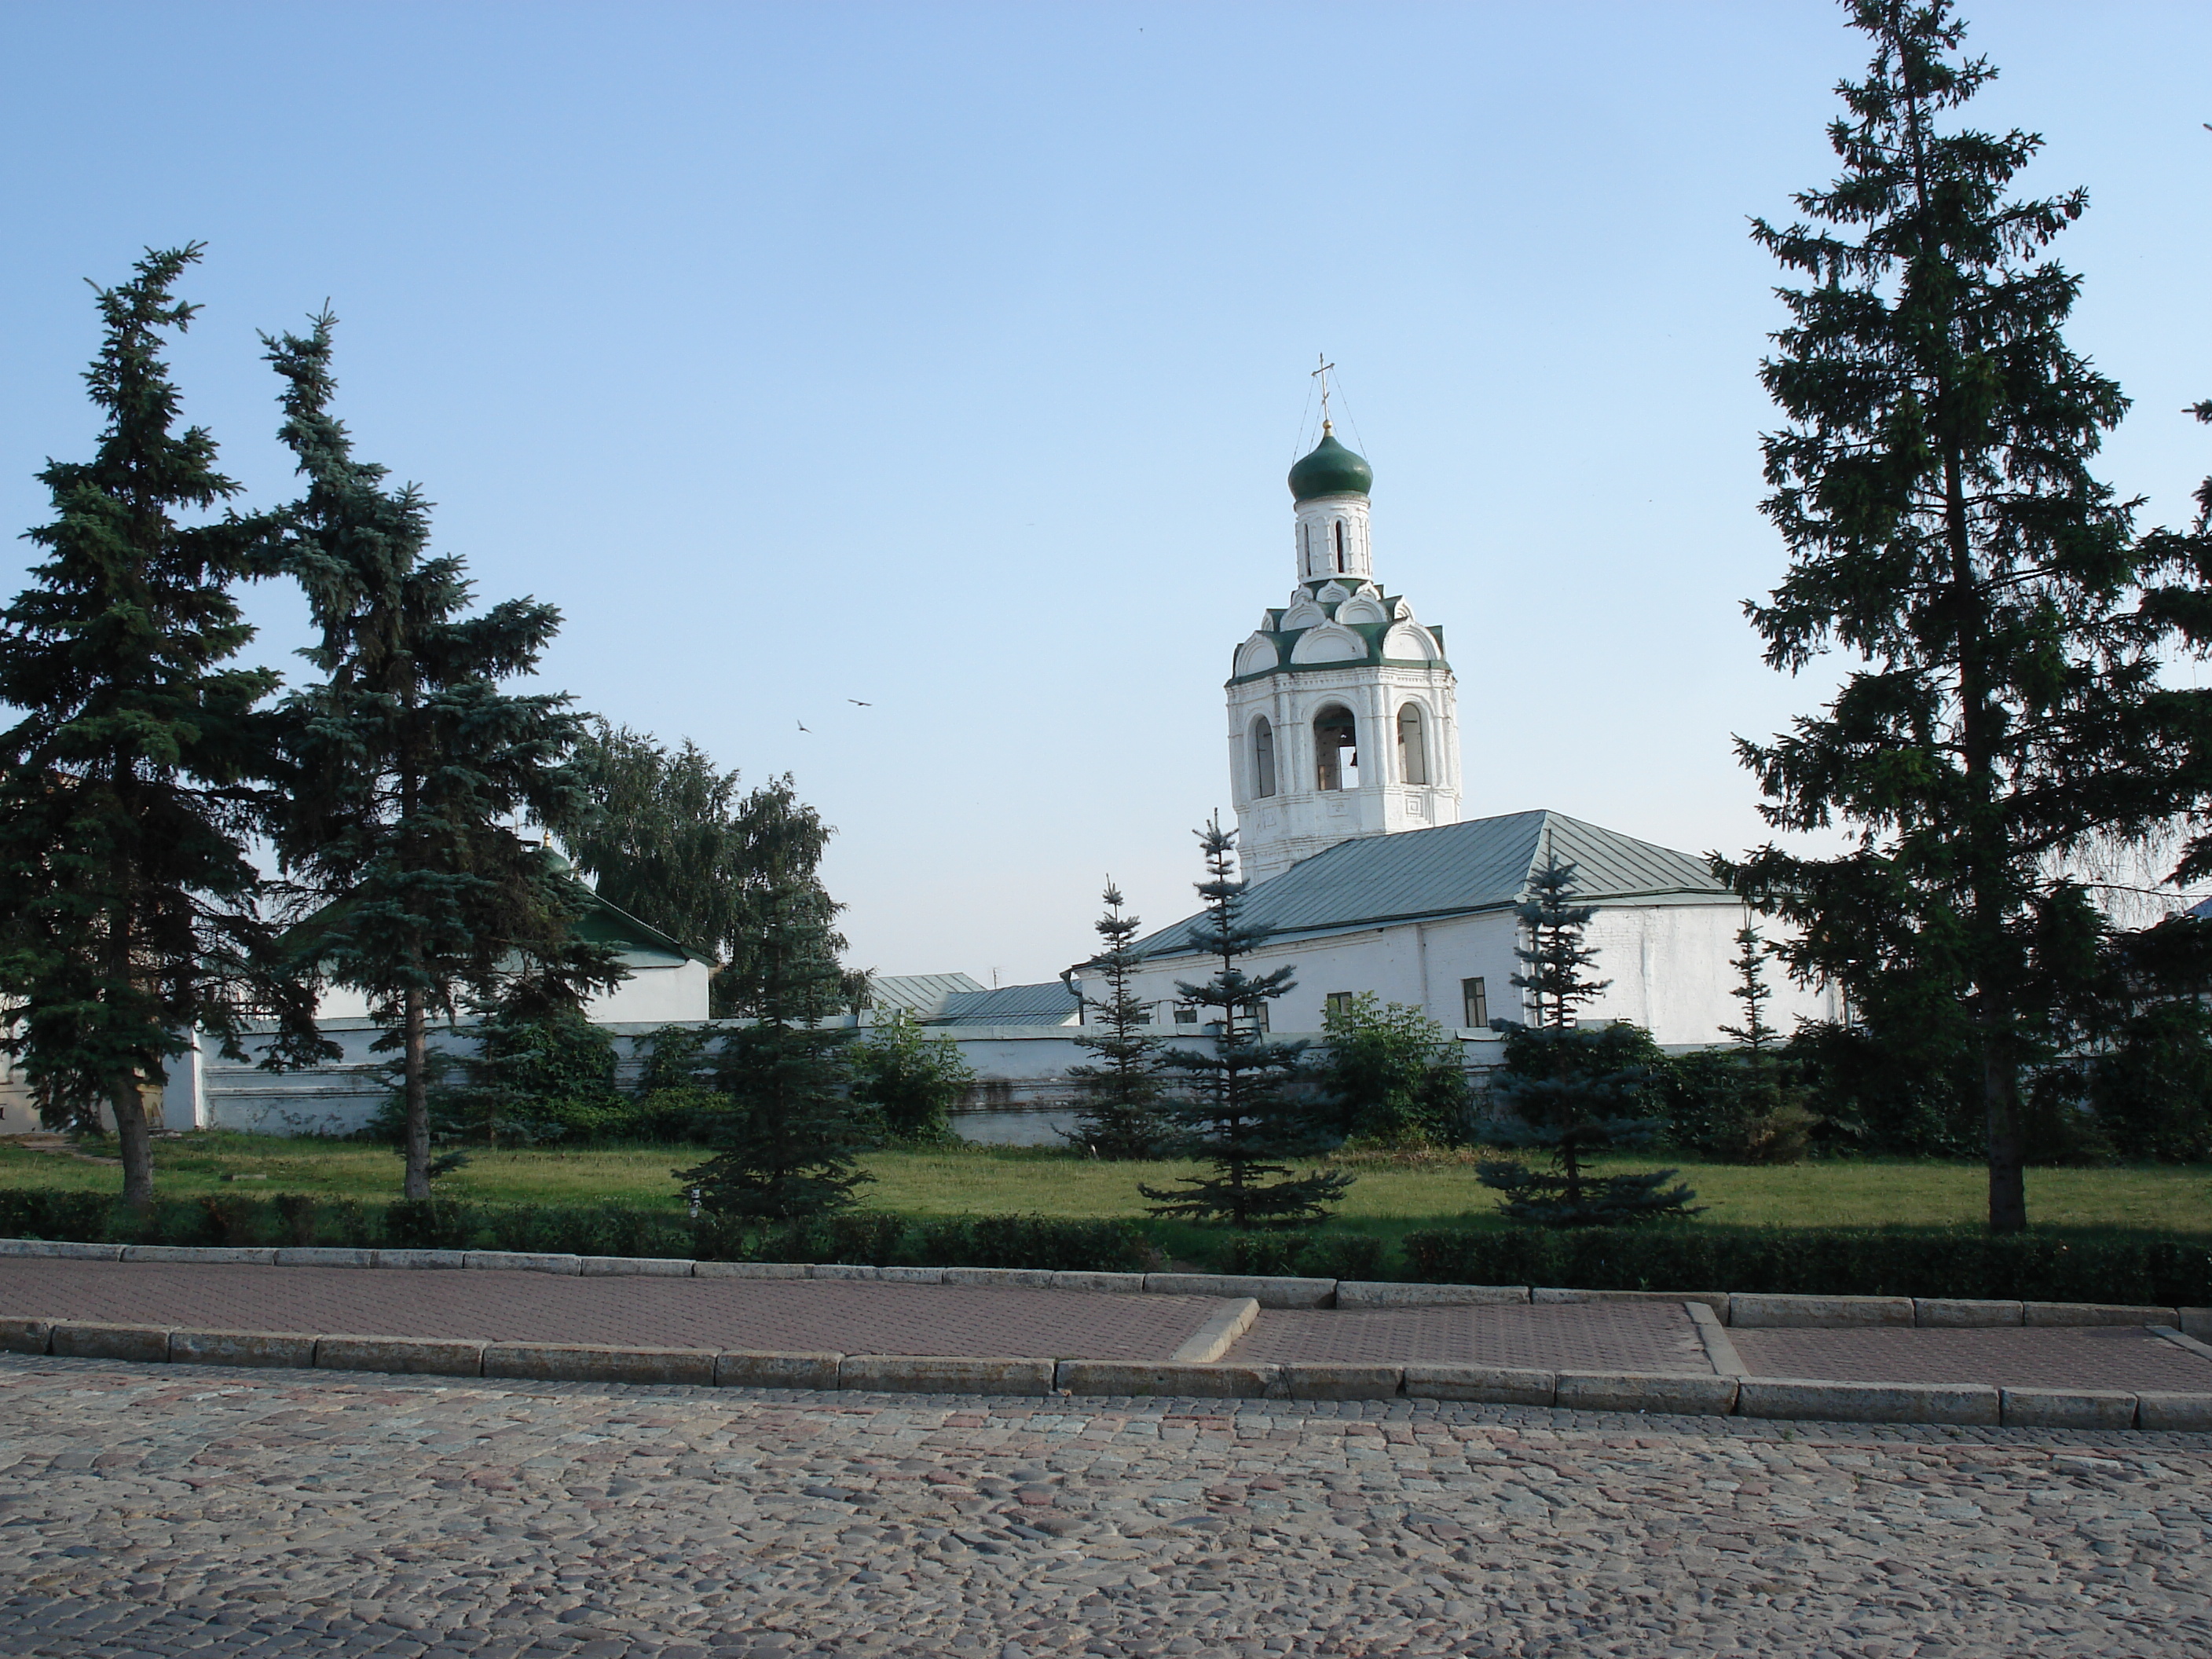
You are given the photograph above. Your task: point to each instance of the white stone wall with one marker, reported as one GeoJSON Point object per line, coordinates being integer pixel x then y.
{"type": "Point", "coordinates": [1668, 964]}
{"type": "Point", "coordinates": [658, 990]}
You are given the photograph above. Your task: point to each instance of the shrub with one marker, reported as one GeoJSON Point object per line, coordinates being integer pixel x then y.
{"type": "Point", "coordinates": [1390, 1076]}
{"type": "Point", "coordinates": [42, 1213]}
{"type": "Point", "coordinates": [427, 1223]}
{"type": "Point", "coordinates": [1826, 1261]}
{"type": "Point", "coordinates": [1033, 1241]}
{"type": "Point", "coordinates": [909, 1081]}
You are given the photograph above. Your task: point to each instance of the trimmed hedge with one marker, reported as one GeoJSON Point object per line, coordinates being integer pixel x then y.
{"type": "Point", "coordinates": [2136, 1268]}
{"type": "Point", "coordinates": [444, 1224]}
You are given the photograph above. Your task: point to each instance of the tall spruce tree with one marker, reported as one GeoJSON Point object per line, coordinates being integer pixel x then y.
{"type": "Point", "coordinates": [1239, 1108]}
{"type": "Point", "coordinates": [140, 761]}
{"type": "Point", "coordinates": [785, 1144]}
{"type": "Point", "coordinates": [1120, 1092]}
{"type": "Point", "coordinates": [1576, 1090]}
{"type": "Point", "coordinates": [410, 762]}
{"type": "Point", "coordinates": [1933, 486]}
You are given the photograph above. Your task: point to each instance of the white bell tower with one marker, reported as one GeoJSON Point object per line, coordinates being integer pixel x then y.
{"type": "Point", "coordinates": [1343, 714]}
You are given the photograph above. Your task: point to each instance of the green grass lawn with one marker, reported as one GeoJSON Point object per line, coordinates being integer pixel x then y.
{"type": "Point", "coordinates": [1391, 1197]}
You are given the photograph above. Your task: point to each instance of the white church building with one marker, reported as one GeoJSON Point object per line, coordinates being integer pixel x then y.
{"type": "Point", "coordinates": [1344, 768]}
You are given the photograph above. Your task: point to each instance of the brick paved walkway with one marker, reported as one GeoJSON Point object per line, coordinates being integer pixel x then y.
{"type": "Point", "coordinates": [147, 1511]}
{"type": "Point", "coordinates": [851, 1316]}
{"type": "Point", "coordinates": [2114, 1356]}
{"type": "Point", "coordinates": [791, 1316]}
{"type": "Point", "coordinates": [1638, 1336]}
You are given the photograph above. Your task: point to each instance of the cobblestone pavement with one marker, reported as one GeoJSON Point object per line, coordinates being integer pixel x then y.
{"type": "Point", "coordinates": [792, 1316]}
{"type": "Point", "coordinates": [152, 1510]}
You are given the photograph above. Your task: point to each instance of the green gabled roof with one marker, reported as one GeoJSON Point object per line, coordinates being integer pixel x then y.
{"type": "Point", "coordinates": [1454, 869]}
{"type": "Point", "coordinates": [608, 923]}
{"type": "Point", "coordinates": [1049, 1003]}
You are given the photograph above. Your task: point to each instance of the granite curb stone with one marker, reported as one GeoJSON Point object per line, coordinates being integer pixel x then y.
{"type": "Point", "coordinates": [2195, 1322]}
{"type": "Point", "coordinates": [2067, 1408]}
{"type": "Point", "coordinates": [749, 1270]}
{"type": "Point", "coordinates": [1950, 1313]}
{"type": "Point", "coordinates": [945, 1374]}
{"type": "Point", "coordinates": [2163, 1409]}
{"type": "Point", "coordinates": [422, 1258]}
{"type": "Point", "coordinates": [526, 1261]}
{"type": "Point", "coordinates": [649, 1266]}
{"type": "Point", "coordinates": [1268, 1290]}
{"type": "Point", "coordinates": [1760, 1312]}
{"type": "Point", "coordinates": [1020, 1279]}
{"type": "Point", "coordinates": [587, 1362]}
{"type": "Point", "coordinates": [317, 1255]}
{"type": "Point", "coordinates": [1490, 1385]}
{"type": "Point", "coordinates": [2095, 1313]}
{"type": "Point", "coordinates": [295, 1349]}
{"type": "Point", "coordinates": [18, 1335]}
{"type": "Point", "coordinates": [776, 1370]}
{"type": "Point", "coordinates": [1812, 1399]}
{"type": "Point", "coordinates": [61, 1247]}
{"type": "Point", "coordinates": [1680, 1393]}
{"type": "Point", "coordinates": [86, 1339]}
{"type": "Point", "coordinates": [2182, 1340]}
{"type": "Point", "coordinates": [404, 1356]}
{"type": "Point", "coordinates": [1720, 1351]}
{"type": "Point", "coordinates": [1082, 1281]}
{"type": "Point", "coordinates": [1219, 1334]}
{"type": "Point", "coordinates": [1560, 1295]}
{"type": "Point", "coordinates": [1370, 1293]}
{"type": "Point", "coordinates": [203, 1255]}
{"type": "Point", "coordinates": [1330, 1379]}
{"type": "Point", "coordinates": [1142, 1378]}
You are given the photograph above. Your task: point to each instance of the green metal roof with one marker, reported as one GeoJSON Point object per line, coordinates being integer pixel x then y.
{"type": "Point", "coordinates": [1049, 1003]}
{"type": "Point", "coordinates": [919, 995]}
{"type": "Point", "coordinates": [1330, 470]}
{"type": "Point", "coordinates": [1456, 869]}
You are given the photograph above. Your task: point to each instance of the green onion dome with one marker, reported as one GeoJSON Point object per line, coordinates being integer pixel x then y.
{"type": "Point", "coordinates": [1331, 470]}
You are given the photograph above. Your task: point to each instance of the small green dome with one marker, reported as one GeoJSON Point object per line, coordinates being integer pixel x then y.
{"type": "Point", "coordinates": [1331, 470]}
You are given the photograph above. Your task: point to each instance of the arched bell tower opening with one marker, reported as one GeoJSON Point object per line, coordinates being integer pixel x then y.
{"type": "Point", "coordinates": [1263, 758]}
{"type": "Point", "coordinates": [1336, 749]}
{"type": "Point", "coordinates": [1413, 746]}
{"type": "Point", "coordinates": [1343, 719]}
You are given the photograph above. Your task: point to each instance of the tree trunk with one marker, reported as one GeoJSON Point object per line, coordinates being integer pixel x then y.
{"type": "Point", "coordinates": [418, 1099]}
{"type": "Point", "coordinates": [134, 1139]}
{"type": "Point", "coordinates": [2008, 1172]}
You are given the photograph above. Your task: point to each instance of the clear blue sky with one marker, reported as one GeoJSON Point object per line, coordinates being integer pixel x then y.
{"type": "Point", "coordinates": [949, 357]}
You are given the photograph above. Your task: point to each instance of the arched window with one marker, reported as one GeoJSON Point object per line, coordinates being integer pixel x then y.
{"type": "Point", "coordinates": [1340, 547]}
{"type": "Point", "coordinates": [1412, 750]}
{"type": "Point", "coordinates": [1263, 758]}
{"type": "Point", "coordinates": [1336, 749]}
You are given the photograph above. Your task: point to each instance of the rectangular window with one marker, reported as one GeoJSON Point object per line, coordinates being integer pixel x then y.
{"type": "Point", "coordinates": [1340, 1002]}
{"type": "Point", "coordinates": [1257, 1013]}
{"type": "Point", "coordinates": [1185, 1014]}
{"type": "Point", "coordinates": [1144, 1016]}
{"type": "Point", "coordinates": [1476, 1002]}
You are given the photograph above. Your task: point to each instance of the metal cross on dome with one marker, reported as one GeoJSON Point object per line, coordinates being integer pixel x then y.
{"type": "Point", "coordinates": [1321, 374]}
